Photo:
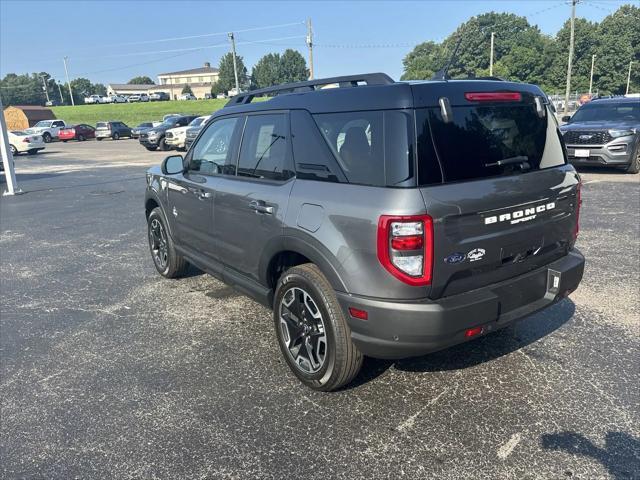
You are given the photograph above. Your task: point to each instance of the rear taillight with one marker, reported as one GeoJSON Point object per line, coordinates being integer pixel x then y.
{"type": "Point", "coordinates": [493, 96]}
{"type": "Point", "coordinates": [576, 230]}
{"type": "Point", "coordinates": [405, 247]}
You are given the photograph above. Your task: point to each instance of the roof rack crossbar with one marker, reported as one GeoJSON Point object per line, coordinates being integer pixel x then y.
{"type": "Point", "coordinates": [310, 85]}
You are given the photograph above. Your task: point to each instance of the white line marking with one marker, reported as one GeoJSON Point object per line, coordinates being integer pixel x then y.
{"type": "Point", "coordinates": [505, 450]}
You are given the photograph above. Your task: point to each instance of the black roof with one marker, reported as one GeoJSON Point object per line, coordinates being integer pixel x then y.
{"type": "Point", "coordinates": [367, 92]}
{"type": "Point", "coordinates": [615, 100]}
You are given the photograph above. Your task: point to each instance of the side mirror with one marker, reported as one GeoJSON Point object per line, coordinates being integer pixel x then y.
{"type": "Point", "coordinates": [172, 165]}
{"type": "Point", "coordinates": [566, 118]}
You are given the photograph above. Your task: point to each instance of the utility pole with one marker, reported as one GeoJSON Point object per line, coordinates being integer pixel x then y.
{"type": "Point", "coordinates": [573, 21]}
{"type": "Point", "coordinates": [235, 66]}
{"type": "Point", "coordinates": [310, 45]}
{"type": "Point", "coordinates": [60, 92]}
{"type": "Point", "coordinates": [66, 72]}
{"type": "Point", "coordinates": [629, 78]}
{"type": "Point", "coordinates": [44, 86]}
{"type": "Point", "coordinates": [7, 158]}
{"type": "Point", "coordinates": [593, 60]}
{"type": "Point", "coordinates": [493, 34]}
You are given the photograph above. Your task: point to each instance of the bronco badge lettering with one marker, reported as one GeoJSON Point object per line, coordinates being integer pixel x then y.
{"type": "Point", "coordinates": [518, 216]}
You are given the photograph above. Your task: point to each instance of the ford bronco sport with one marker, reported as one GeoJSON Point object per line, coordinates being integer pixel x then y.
{"type": "Point", "coordinates": [377, 218]}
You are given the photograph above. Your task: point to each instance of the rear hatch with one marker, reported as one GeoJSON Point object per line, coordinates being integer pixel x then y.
{"type": "Point", "coordinates": [103, 128]}
{"type": "Point", "coordinates": [495, 181]}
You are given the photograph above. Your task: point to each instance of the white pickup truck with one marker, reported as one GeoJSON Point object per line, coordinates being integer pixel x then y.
{"type": "Point", "coordinates": [49, 129]}
{"type": "Point", "coordinates": [93, 99]}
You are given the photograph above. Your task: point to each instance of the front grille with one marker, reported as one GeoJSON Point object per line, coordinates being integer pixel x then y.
{"type": "Point", "coordinates": [572, 137]}
{"type": "Point", "coordinates": [169, 135]}
{"type": "Point", "coordinates": [143, 135]}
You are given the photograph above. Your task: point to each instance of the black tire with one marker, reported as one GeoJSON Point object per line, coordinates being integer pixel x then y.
{"type": "Point", "coordinates": [98, 139]}
{"type": "Point", "coordinates": [162, 145]}
{"type": "Point", "coordinates": [14, 150]}
{"type": "Point", "coordinates": [46, 136]}
{"type": "Point", "coordinates": [634, 166]}
{"type": "Point", "coordinates": [151, 149]}
{"type": "Point", "coordinates": [342, 360]}
{"type": "Point", "coordinates": [65, 141]}
{"type": "Point", "coordinates": [81, 138]}
{"type": "Point", "coordinates": [33, 151]}
{"type": "Point", "coordinates": [116, 136]}
{"type": "Point", "coordinates": [167, 261]}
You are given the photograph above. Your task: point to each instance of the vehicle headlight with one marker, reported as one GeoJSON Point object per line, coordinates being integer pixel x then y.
{"type": "Point", "coordinates": [622, 133]}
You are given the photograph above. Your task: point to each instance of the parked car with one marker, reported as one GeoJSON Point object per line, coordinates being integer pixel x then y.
{"type": "Point", "coordinates": [190, 135]}
{"type": "Point", "coordinates": [20, 142]}
{"type": "Point", "coordinates": [143, 97]}
{"type": "Point", "coordinates": [93, 99]}
{"type": "Point", "coordinates": [377, 218]}
{"type": "Point", "coordinates": [136, 131]}
{"type": "Point", "coordinates": [49, 129]}
{"type": "Point", "coordinates": [176, 137]}
{"type": "Point", "coordinates": [115, 99]}
{"type": "Point", "coordinates": [159, 96]}
{"type": "Point", "coordinates": [170, 115]}
{"type": "Point", "coordinates": [79, 132]}
{"type": "Point", "coordinates": [113, 130]}
{"type": "Point", "coordinates": [605, 132]}
{"type": "Point", "coordinates": [187, 96]}
{"type": "Point", "coordinates": [154, 138]}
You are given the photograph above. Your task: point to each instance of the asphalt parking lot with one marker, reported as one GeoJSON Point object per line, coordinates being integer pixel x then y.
{"type": "Point", "coordinates": [110, 371]}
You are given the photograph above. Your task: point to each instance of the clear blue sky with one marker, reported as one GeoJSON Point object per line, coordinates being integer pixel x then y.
{"type": "Point", "coordinates": [350, 37]}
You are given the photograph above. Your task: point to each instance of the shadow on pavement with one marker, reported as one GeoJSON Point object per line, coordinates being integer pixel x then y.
{"type": "Point", "coordinates": [620, 455]}
{"type": "Point", "coordinates": [475, 352]}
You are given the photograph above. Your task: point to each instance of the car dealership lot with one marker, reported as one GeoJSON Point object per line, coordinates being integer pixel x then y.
{"type": "Point", "coordinates": [108, 370]}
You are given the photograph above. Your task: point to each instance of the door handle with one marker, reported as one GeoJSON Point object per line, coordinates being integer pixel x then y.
{"type": "Point", "coordinates": [260, 207]}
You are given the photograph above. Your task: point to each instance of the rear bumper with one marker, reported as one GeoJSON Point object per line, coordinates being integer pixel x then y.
{"type": "Point", "coordinates": [103, 134]}
{"type": "Point", "coordinates": [405, 329]}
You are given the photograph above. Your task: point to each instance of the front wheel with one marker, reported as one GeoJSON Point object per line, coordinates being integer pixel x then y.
{"type": "Point", "coordinates": [163, 145]}
{"type": "Point", "coordinates": [116, 136]}
{"type": "Point", "coordinates": [167, 261]}
{"type": "Point", "coordinates": [46, 136]}
{"type": "Point", "coordinates": [33, 151]}
{"type": "Point", "coordinates": [99, 139]}
{"type": "Point", "coordinates": [151, 149]}
{"type": "Point", "coordinates": [634, 166]}
{"type": "Point", "coordinates": [14, 150]}
{"type": "Point", "coordinates": [81, 138]}
{"type": "Point", "coordinates": [312, 332]}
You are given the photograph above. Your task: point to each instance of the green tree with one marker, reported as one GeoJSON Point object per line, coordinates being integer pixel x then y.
{"type": "Point", "coordinates": [266, 72]}
{"type": "Point", "coordinates": [293, 67]}
{"type": "Point", "coordinates": [99, 89]}
{"type": "Point", "coordinates": [22, 89]}
{"type": "Point", "coordinates": [141, 80]}
{"type": "Point", "coordinates": [81, 87]}
{"type": "Point", "coordinates": [187, 89]}
{"type": "Point", "coordinates": [226, 78]}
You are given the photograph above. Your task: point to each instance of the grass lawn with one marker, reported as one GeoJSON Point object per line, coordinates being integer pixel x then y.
{"type": "Point", "coordinates": [134, 113]}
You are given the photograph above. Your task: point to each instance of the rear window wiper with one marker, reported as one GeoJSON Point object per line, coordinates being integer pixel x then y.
{"type": "Point", "coordinates": [522, 160]}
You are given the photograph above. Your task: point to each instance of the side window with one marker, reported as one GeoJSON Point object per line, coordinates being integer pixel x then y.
{"type": "Point", "coordinates": [312, 157]}
{"type": "Point", "coordinates": [264, 152]}
{"type": "Point", "coordinates": [58, 124]}
{"type": "Point", "coordinates": [213, 154]}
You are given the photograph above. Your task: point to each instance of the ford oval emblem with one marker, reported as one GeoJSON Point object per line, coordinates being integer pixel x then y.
{"type": "Point", "coordinates": [455, 258]}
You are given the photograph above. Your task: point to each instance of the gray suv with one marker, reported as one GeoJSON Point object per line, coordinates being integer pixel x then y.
{"type": "Point", "coordinates": [605, 132]}
{"type": "Point", "coordinates": [375, 218]}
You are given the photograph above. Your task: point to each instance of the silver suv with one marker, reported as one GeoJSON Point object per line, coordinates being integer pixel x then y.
{"type": "Point", "coordinates": [375, 218]}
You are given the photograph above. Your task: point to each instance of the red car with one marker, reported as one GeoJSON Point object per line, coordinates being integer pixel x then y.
{"type": "Point", "coordinates": [77, 132]}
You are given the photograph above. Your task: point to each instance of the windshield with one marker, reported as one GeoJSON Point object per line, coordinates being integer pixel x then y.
{"type": "Point", "coordinates": [44, 123]}
{"type": "Point", "coordinates": [196, 122]}
{"type": "Point", "coordinates": [486, 141]}
{"type": "Point", "coordinates": [102, 125]}
{"type": "Point", "coordinates": [598, 112]}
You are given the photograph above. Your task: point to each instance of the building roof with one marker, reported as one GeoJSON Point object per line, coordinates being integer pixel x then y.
{"type": "Point", "coordinates": [130, 86]}
{"type": "Point", "coordinates": [177, 86]}
{"type": "Point", "coordinates": [193, 71]}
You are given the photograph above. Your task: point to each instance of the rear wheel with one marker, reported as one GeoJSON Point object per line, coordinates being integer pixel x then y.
{"type": "Point", "coordinates": [312, 332]}
{"type": "Point", "coordinates": [81, 138]}
{"type": "Point", "coordinates": [165, 258]}
{"type": "Point", "coordinates": [116, 136]}
{"type": "Point", "coordinates": [46, 136]}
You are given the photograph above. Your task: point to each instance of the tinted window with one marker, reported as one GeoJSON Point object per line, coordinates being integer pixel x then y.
{"type": "Point", "coordinates": [102, 125]}
{"type": "Point", "coordinates": [264, 152]}
{"type": "Point", "coordinates": [472, 144]}
{"type": "Point", "coordinates": [595, 112]}
{"type": "Point", "coordinates": [213, 153]}
{"type": "Point", "coordinates": [58, 124]}
{"type": "Point", "coordinates": [313, 159]}
{"type": "Point", "coordinates": [372, 148]}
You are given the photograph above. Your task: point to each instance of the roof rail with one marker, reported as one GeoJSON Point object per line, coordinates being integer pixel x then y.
{"type": "Point", "coordinates": [310, 85]}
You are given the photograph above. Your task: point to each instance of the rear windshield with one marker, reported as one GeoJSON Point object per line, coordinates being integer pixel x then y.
{"type": "Point", "coordinates": [596, 112]}
{"type": "Point", "coordinates": [102, 125]}
{"type": "Point", "coordinates": [372, 147]}
{"type": "Point", "coordinates": [487, 141]}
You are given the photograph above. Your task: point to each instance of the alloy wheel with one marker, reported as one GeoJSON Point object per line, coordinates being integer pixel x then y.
{"type": "Point", "coordinates": [303, 330]}
{"type": "Point", "coordinates": [158, 243]}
